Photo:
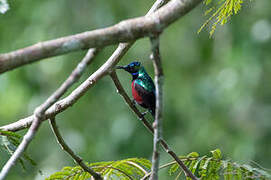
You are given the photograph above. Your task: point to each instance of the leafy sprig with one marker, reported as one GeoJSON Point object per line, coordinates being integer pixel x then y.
{"type": "Point", "coordinates": [9, 141]}
{"type": "Point", "coordinates": [127, 169]}
{"type": "Point", "coordinates": [207, 167]}
{"type": "Point", "coordinates": [213, 167]}
{"type": "Point", "coordinates": [221, 11]}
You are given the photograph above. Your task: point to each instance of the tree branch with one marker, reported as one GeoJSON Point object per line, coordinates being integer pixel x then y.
{"type": "Point", "coordinates": [70, 100]}
{"type": "Point", "coordinates": [39, 112]}
{"type": "Point", "coordinates": [157, 125]}
{"type": "Point", "coordinates": [128, 101]}
{"type": "Point", "coordinates": [66, 148]}
{"type": "Point", "coordinates": [124, 31]}
{"type": "Point", "coordinates": [166, 147]}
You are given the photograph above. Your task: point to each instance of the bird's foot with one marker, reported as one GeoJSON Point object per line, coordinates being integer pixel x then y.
{"type": "Point", "coordinates": [134, 102]}
{"type": "Point", "coordinates": [144, 113]}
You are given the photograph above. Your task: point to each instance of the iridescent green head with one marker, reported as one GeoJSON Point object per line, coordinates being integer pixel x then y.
{"type": "Point", "coordinates": [132, 68]}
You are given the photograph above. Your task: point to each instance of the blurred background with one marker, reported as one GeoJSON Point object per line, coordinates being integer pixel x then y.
{"type": "Point", "coordinates": [217, 90]}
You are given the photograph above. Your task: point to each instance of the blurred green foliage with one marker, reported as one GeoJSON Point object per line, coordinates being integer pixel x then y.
{"type": "Point", "coordinates": [207, 167]}
{"type": "Point", "coordinates": [217, 91]}
{"type": "Point", "coordinates": [220, 12]}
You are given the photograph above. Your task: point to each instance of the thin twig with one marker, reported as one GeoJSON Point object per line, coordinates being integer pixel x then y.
{"type": "Point", "coordinates": [167, 165]}
{"type": "Point", "coordinates": [123, 172]}
{"type": "Point", "coordinates": [137, 166]}
{"type": "Point", "coordinates": [111, 167]}
{"type": "Point", "coordinates": [166, 147]}
{"type": "Point", "coordinates": [40, 111]}
{"type": "Point", "coordinates": [116, 56]}
{"type": "Point", "coordinates": [161, 167]}
{"type": "Point", "coordinates": [77, 93]}
{"type": "Point", "coordinates": [157, 125]}
{"type": "Point", "coordinates": [124, 31]}
{"type": "Point", "coordinates": [128, 101]}
{"type": "Point", "coordinates": [66, 148]}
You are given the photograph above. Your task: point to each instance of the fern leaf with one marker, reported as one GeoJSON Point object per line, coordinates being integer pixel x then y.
{"type": "Point", "coordinates": [216, 154]}
{"type": "Point", "coordinates": [10, 141]}
{"type": "Point", "coordinates": [224, 10]}
{"type": "Point", "coordinates": [127, 169]}
{"type": "Point", "coordinates": [173, 169]}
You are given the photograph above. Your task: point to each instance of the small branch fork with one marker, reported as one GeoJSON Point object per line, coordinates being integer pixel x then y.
{"type": "Point", "coordinates": [166, 147]}
{"type": "Point", "coordinates": [39, 111]}
{"type": "Point", "coordinates": [66, 148]}
{"type": "Point", "coordinates": [184, 7]}
{"type": "Point", "coordinates": [157, 125]}
{"type": "Point", "coordinates": [51, 107]}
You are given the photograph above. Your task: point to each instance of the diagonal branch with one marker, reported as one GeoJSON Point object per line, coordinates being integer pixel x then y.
{"type": "Point", "coordinates": [40, 111]}
{"type": "Point", "coordinates": [157, 125]}
{"type": "Point", "coordinates": [74, 96]}
{"type": "Point", "coordinates": [128, 101]}
{"type": "Point", "coordinates": [166, 147]}
{"type": "Point", "coordinates": [124, 31]}
{"type": "Point", "coordinates": [66, 148]}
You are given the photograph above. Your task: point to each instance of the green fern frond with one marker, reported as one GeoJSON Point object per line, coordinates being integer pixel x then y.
{"type": "Point", "coordinates": [9, 141]}
{"type": "Point", "coordinates": [127, 169]}
{"type": "Point", "coordinates": [173, 169]}
{"type": "Point", "coordinates": [213, 166]}
{"type": "Point", "coordinates": [10, 134]}
{"type": "Point", "coordinates": [221, 10]}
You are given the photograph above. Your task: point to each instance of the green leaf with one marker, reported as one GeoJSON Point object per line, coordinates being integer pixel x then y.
{"type": "Point", "coordinates": [238, 174]}
{"type": "Point", "coordinates": [214, 168]}
{"type": "Point", "coordinates": [216, 154]}
{"type": "Point", "coordinates": [222, 11]}
{"type": "Point", "coordinates": [193, 155]}
{"type": "Point", "coordinates": [206, 2]}
{"type": "Point", "coordinates": [10, 141]}
{"type": "Point", "coordinates": [10, 133]}
{"type": "Point", "coordinates": [228, 174]}
{"type": "Point", "coordinates": [197, 164]}
{"type": "Point", "coordinates": [173, 169]}
{"type": "Point", "coordinates": [132, 168]}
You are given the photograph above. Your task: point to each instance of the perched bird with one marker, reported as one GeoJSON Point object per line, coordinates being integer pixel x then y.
{"type": "Point", "coordinates": [143, 89]}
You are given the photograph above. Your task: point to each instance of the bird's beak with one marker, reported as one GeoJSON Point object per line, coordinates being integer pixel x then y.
{"type": "Point", "coordinates": [122, 67]}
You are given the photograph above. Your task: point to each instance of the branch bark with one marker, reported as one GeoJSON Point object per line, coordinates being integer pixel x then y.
{"type": "Point", "coordinates": [71, 99]}
{"type": "Point", "coordinates": [124, 31]}
{"type": "Point", "coordinates": [166, 147]}
{"type": "Point", "coordinates": [66, 148]}
{"type": "Point", "coordinates": [40, 111]}
{"type": "Point", "coordinates": [157, 125]}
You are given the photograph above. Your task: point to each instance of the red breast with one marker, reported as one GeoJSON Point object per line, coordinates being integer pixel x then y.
{"type": "Point", "coordinates": [135, 94]}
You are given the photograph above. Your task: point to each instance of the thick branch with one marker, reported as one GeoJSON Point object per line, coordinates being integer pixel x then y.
{"type": "Point", "coordinates": [166, 147]}
{"type": "Point", "coordinates": [69, 101]}
{"type": "Point", "coordinates": [124, 31]}
{"type": "Point", "coordinates": [39, 113]}
{"type": "Point", "coordinates": [66, 148]}
{"type": "Point", "coordinates": [157, 125]}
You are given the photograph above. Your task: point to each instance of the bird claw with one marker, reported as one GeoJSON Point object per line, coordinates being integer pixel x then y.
{"type": "Point", "coordinates": [134, 102]}
{"type": "Point", "coordinates": [144, 113]}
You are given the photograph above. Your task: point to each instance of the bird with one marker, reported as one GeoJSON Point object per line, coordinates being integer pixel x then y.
{"type": "Point", "coordinates": [143, 88]}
